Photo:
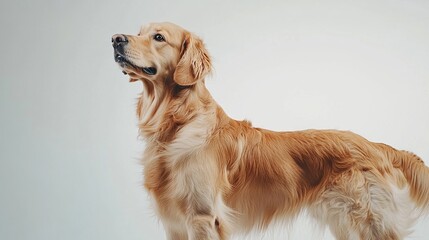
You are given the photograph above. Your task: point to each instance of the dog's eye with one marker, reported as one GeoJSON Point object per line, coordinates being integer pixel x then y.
{"type": "Point", "coordinates": [158, 37]}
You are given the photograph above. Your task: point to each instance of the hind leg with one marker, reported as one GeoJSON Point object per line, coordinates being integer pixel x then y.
{"type": "Point", "coordinates": [358, 205]}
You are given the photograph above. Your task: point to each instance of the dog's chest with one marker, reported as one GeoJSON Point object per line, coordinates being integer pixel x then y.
{"type": "Point", "coordinates": [163, 162]}
{"type": "Point", "coordinates": [173, 172]}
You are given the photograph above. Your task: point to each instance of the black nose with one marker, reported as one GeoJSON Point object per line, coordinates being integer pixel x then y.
{"type": "Point", "coordinates": [119, 39]}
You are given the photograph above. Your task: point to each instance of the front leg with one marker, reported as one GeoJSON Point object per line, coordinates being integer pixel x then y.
{"type": "Point", "coordinates": [207, 217]}
{"type": "Point", "coordinates": [203, 227]}
{"type": "Point", "coordinates": [194, 224]}
{"type": "Point", "coordinates": [175, 234]}
{"type": "Point", "coordinates": [199, 187]}
{"type": "Point", "coordinates": [172, 219]}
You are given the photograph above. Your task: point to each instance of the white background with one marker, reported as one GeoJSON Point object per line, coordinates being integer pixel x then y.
{"type": "Point", "coordinates": [68, 138]}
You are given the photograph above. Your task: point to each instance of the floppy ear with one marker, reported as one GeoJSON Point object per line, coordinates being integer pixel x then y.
{"type": "Point", "coordinates": [194, 63]}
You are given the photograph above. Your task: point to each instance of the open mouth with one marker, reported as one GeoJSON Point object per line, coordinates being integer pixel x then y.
{"type": "Point", "coordinates": [123, 61]}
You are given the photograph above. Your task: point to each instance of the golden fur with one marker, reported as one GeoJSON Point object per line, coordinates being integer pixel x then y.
{"type": "Point", "coordinates": [212, 176]}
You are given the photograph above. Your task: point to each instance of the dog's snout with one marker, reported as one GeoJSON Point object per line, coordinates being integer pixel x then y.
{"type": "Point", "coordinates": [119, 39]}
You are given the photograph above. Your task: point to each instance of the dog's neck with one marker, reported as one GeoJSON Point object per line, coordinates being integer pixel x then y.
{"type": "Point", "coordinates": [165, 107]}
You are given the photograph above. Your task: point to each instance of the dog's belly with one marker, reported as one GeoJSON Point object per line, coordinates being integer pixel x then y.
{"type": "Point", "coordinates": [257, 205]}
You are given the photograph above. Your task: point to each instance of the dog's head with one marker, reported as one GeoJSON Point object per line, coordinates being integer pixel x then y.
{"type": "Point", "coordinates": [161, 51]}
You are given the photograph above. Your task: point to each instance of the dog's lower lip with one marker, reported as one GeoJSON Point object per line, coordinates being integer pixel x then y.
{"type": "Point", "coordinates": [121, 60]}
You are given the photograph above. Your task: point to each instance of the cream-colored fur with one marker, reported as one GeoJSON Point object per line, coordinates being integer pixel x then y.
{"type": "Point", "coordinates": [211, 176]}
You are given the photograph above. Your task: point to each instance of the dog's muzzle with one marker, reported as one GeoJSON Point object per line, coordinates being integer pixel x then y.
{"type": "Point", "coordinates": [119, 42]}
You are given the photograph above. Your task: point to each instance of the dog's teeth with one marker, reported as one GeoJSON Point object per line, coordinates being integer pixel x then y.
{"type": "Point", "coordinates": [124, 72]}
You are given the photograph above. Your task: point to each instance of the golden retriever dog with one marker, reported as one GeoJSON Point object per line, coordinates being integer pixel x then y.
{"type": "Point", "coordinates": [211, 176]}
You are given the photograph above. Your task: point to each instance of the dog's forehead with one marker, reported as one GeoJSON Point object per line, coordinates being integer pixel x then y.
{"type": "Point", "coordinates": [158, 27]}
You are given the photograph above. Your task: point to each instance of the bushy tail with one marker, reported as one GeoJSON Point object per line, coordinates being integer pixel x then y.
{"type": "Point", "coordinates": [417, 175]}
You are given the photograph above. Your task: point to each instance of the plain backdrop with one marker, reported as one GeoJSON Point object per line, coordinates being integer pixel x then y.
{"type": "Point", "coordinates": [69, 151]}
